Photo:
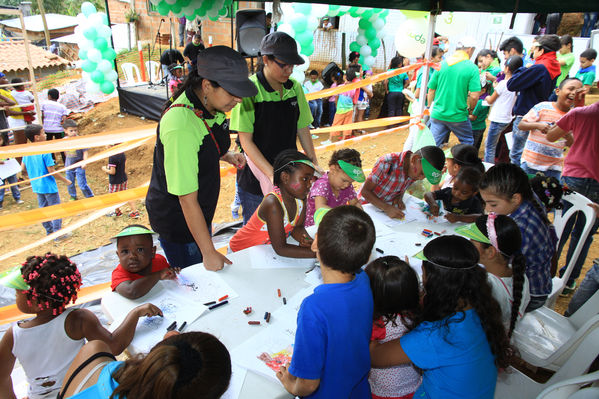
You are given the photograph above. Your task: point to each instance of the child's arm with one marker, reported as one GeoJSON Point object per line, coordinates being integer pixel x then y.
{"type": "Point", "coordinates": [111, 169]}
{"type": "Point", "coordinates": [134, 289]}
{"type": "Point", "coordinates": [299, 232]}
{"type": "Point", "coordinates": [527, 126]}
{"type": "Point", "coordinates": [59, 176]}
{"type": "Point", "coordinates": [429, 198]}
{"type": "Point", "coordinates": [492, 98]}
{"type": "Point", "coordinates": [370, 196]}
{"type": "Point", "coordinates": [84, 158]}
{"type": "Point", "coordinates": [454, 217]}
{"type": "Point", "coordinates": [355, 202]}
{"type": "Point", "coordinates": [296, 386]}
{"type": "Point", "coordinates": [6, 365]}
{"type": "Point", "coordinates": [270, 210]}
{"type": "Point", "coordinates": [82, 323]}
{"type": "Point", "coordinates": [388, 354]}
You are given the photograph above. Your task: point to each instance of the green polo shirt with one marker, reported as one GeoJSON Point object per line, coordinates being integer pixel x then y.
{"type": "Point", "coordinates": [569, 59]}
{"type": "Point", "coordinates": [452, 85]}
{"type": "Point", "coordinates": [481, 112]}
{"type": "Point", "coordinates": [396, 83]}
{"type": "Point", "coordinates": [587, 78]}
{"type": "Point", "coordinates": [182, 135]}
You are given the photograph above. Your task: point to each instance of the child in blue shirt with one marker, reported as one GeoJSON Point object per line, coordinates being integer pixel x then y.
{"type": "Point", "coordinates": [330, 356]}
{"type": "Point", "coordinates": [40, 165]}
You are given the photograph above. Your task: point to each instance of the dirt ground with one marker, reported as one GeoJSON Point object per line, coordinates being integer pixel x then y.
{"type": "Point", "coordinates": [106, 117]}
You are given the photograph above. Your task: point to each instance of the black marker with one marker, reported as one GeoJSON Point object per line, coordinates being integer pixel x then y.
{"type": "Point", "coordinates": [380, 251]}
{"type": "Point", "coordinates": [209, 303]}
{"type": "Point", "coordinates": [182, 326]}
{"type": "Point", "coordinates": [172, 326]}
{"type": "Point", "coordinates": [218, 304]}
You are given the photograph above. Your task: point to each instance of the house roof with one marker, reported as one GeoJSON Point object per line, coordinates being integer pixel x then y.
{"type": "Point", "coordinates": [14, 58]}
{"type": "Point", "coordinates": [33, 23]}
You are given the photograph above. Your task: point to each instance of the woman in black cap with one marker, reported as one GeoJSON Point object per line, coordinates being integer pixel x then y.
{"type": "Point", "coordinates": [271, 120]}
{"type": "Point", "coordinates": [192, 137]}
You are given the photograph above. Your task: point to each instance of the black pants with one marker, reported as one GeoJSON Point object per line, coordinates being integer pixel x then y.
{"type": "Point", "coordinates": [395, 100]}
{"type": "Point", "coordinates": [56, 136]}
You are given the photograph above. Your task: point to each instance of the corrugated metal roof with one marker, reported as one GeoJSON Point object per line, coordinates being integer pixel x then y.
{"type": "Point", "coordinates": [14, 58]}
{"type": "Point", "coordinates": [34, 23]}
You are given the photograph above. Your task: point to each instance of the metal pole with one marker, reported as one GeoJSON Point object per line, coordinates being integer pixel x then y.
{"type": "Point", "coordinates": [428, 53]}
{"type": "Point", "coordinates": [40, 5]}
{"type": "Point", "coordinates": [232, 23]}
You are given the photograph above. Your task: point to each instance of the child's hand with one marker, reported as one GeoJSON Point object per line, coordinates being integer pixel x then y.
{"type": "Point", "coordinates": [394, 212]}
{"type": "Point", "coordinates": [397, 202]}
{"type": "Point", "coordinates": [68, 182]}
{"type": "Point", "coordinates": [451, 217]}
{"type": "Point", "coordinates": [595, 208]}
{"type": "Point", "coordinates": [434, 209]}
{"type": "Point", "coordinates": [169, 273]}
{"type": "Point", "coordinates": [305, 240]}
{"type": "Point", "coordinates": [284, 376]}
{"type": "Point", "coordinates": [170, 334]}
{"type": "Point", "coordinates": [543, 127]}
{"type": "Point", "coordinates": [149, 310]}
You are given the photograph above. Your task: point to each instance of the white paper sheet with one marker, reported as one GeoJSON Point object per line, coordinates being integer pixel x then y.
{"type": "Point", "coordinates": [199, 285]}
{"type": "Point", "coordinates": [237, 378]}
{"type": "Point", "coordinates": [8, 168]}
{"type": "Point", "coordinates": [264, 257]}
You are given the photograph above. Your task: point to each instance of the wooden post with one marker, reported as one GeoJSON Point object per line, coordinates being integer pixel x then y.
{"type": "Point", "coordinates": [30, 66]}
{"type": "Point", "coordinates": [40, 5]}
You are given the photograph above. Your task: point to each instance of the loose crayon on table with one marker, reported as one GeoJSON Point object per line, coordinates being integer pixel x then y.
{"type": "Point", "coordinates": [223, 298]}
{"type": "Point", "coordinates": [437, 233]}
{"type": "Point", "coordinates": [182, 326]}
{"type": "Point", "coordinates": [209, 303]}
{"type": "Point", "coordinates": [284, 301]}
{"type": "Point", "coordinates": [418, 244]}
{"type": "Point", "coordinates": [279, 292]}
{"type": "Point", "coordinates": [247, 310]}
{"type": "Point", "coordinates": [379, 250]}
{"type": "Point", "coordinates": [427, 230]}
{"type": "Point", "coordinates": [268, 317]}
{"type": "Point", "coordinates": [254, 323]}
{"type": "Point", "coordinates": [265, 315]}
{"type": "Point", "coordinates": [172, 326]}
{"type": "Point", "coordinates": [218, 304]}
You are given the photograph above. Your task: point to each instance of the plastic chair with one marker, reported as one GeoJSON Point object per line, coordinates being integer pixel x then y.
{"type": "Point", "coordinates": [130, 71]}
{"type": "Point", "coordinates": [579, 204]}
{"type": "Point", "coordinates": [570, 389]}
{"type": "Point", "coordinates": [547, 339]}
{"type": "Point", "coordinates": [512, 383]}
{"type": "Point", "coordinates": [154, 71]}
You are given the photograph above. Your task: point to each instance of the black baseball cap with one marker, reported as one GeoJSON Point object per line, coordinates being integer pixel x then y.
{"type": "Point", "coordinates": [228, 68]}
{"type": "Point", "coordinates": [282, 46]}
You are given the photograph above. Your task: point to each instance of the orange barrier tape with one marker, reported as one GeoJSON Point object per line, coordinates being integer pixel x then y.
{"type": "Point", "coordinates": [365, 124]}
{"type": "Point", "coordinates": [344, 143]}
{"type": "Point", "coordinates": [71, 208]}
{"type": "Point", "coordinates": [77, 143]}
{"type": "Point", "coordinates": [117, 149]}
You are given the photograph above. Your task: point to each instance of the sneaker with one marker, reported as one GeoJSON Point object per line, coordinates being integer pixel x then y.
{"type": "Point", "coordinates": [134, 215]}
{"type": "Point", "coordinates": [20, 201]}
{"type": "Point", "coordinates": [114, 213]}
{"type": "Point", "coordinates": [73, 199]}
{"type": "Point", "coordinates": [326, 142]}
{"type": "Point", "coordinates": [314, 136]}
{"type": "Point", "coordinates": [568, 290]}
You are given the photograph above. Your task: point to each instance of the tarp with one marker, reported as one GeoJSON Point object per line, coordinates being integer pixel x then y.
{"type": "Point", "coordinates": [528, 6]}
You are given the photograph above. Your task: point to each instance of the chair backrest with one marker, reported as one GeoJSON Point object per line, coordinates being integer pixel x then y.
{"type": "Point", "coordinates": [154, 71]}
{"type": "Point", "coordinates": [130, 70]}
{"type": "Point", "coordinates": [579, 204]}
{"type": "Point", "coordinates": [581, 358]}
{"type": "Point", "coordinates": [589, 309]}
{"type": "Point", "coordinates": [569, 389]}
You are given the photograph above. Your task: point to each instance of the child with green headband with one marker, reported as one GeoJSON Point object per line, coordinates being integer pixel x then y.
{"type": "Point", "coordinates": [394, 173]}
{"type": "Point", "coordinates": [140, 267]}
{"type": "Point", "coordinates": [335, 188]}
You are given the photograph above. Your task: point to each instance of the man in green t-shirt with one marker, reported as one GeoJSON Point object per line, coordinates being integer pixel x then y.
{"type": "Point", "coordinates": [455, 90]}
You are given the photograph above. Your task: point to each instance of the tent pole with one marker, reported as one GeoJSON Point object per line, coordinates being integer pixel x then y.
{"type": "Point", "coordinates": [428, 53]}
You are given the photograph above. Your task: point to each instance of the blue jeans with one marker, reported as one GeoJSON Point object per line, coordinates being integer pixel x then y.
{"type": "Point", "coordinates": [587, 289]}
{"type": "Point", "coordinates": [549, 173]}
{"type": "Point", "coordinates": [316, 109]}
{"type": "Point", "coordinates": [332, 110]}
{"type": "Point", "coordinates": [44, 200]}
{"type": "Point", "coordinates": [462, 130]}
{"type": "Point", "coordinates": [590, 189]}
{"type": "Point", "coordinates": [395, 101]}
{"type": "Point", "coordinates": [181, 254]}
{"type": "Point", "coordinates": [590, 19]}
{"type": "Point", "coordinates": [249, 203]}
{"type": "Point", "coordinates": [520, 138]}
{"type": "Point", "coordinates": [79, 174]}
{"type": "Point", "coordinates": [16, 194]}
{"type": "Point", "coordinates": [495, 129]}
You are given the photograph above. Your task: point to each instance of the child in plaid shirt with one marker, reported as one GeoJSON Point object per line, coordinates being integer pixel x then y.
{"type": "Point", "coordinates": [394, 173]}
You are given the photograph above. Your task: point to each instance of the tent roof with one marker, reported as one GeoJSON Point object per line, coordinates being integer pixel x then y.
{"type": "Point", "coordinates": [503, 6]}
{"type": "Point", "coordinates": [33, 23]}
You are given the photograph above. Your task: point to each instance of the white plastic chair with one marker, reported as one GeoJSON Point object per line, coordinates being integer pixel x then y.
{"type": "Point", "coordinates": [570, 389]}
{"type": "Point", "coordinates": [545, 338]}
{"type": "Point", "coordinates": [131, 71]}
{"type": "Point", "coordinates": [154, 71]}
{"type": "Point", "coordinates": [579, 204]}
{"type": "Point", "coordinates": [512, 383]}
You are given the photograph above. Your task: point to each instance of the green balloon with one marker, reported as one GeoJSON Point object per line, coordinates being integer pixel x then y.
{"type": "Point", "coordinates": [100, 43]}
{"type": "Point", "coordinates": [97, 76]}
{"type": "Point", "coordinates": [88, 8]}
{"type": "Point", "coordinates": [366, 14]}
{"type": "Point", "coordinates": [163, 8]}
{"type": "Point", "coordinates": [83, 54]}
{"type": "Point", "coordinates": [374, 52]}
{"type": "Point", "coordinates": [374, 43]}
{"type": "Point", "coordinates": [308, 49]}
{"type": "Point", "coordinates": [370, 33]}
{"type": "Point", "coordinates": [215, 18]}
{"type": "Point", "coordinates": [184, 3]}
{"type": "Point", "coordinates": [384, 13]}
{"type": "Point", "coordinates": [106, 87]}
{"type": "Point", "coordinates": [299, 23]}
{"type": "Point", "coordinates": [354, 46]}
{"type": "Point", "coordinates": [334, 8]}
{"type": "Point", "coordinates": [377, 10]}
{"type": "Point", "coordinates": [364, 23]}
{"type": "Point", "coordinates": [88, 66]}
{"type": "Point", "coordinates": [109, 54]}
{"type": "Point", "coordinates": [353, 11]}
{"type": "Point", "coordinates": [90, 33]}
{"type": "Point", "coordinates": [222, 12]}
{"type": "Point", "coordinates": [305, 38]}
{"type": "Point", "coordinates": [304, 8]}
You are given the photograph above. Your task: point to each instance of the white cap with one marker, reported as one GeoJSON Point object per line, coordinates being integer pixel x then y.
{"type": "Point", "coordinates": [466, 42]}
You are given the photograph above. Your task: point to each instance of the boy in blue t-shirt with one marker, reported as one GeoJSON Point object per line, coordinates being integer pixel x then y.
{"type": "Point", "coordinates": [39, 165]}
{"type": "Point", "coordinates": [331, 357]}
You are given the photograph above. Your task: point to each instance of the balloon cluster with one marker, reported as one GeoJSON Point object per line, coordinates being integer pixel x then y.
{"type": "Point", "coordinates": [370, 32]}
{"type": "Point", "coordinates": [192, 9]}
{"type": "Point", "coordinates": [95, 50]}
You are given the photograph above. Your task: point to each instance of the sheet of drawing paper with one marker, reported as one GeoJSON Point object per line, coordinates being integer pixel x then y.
{"type": "Point", "coordinates": [8, 168]}
{"type": "Point", "coordinates": [264, 257]}
{"type": "Point", "coordinates": [236, 384]}
{"type": "Point", "coordinates": [197, 284]}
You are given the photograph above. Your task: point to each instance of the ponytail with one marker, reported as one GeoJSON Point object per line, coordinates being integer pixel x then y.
{"type": "Point", "coordinates": [518, 265]}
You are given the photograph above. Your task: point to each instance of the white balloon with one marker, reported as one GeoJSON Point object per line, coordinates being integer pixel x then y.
{"type": "Point", "coordinates": [95, 19]}
{"type": "Point", "coordinates": [94, 55]}
{"type": "Point", "coordinates": [361, 31]}
{"type": "Point", "coordinates": [306, 59]}
{"type": "Point", "coordinates": [369, 60]}
{"type": "Point", "coordinates": [92, 87]}
{"type": "Point", "coordinates": [155, 2]}
{"type": "Point", "coordinates": [81, 19]}
{"type": "Point", "coordinates": [298, 75]}
{"type": "Point", "coordinates": [333, 13]}
{"type": "Point", "coordinates": [111, 75]}
{"type": "Point", "coordinates": [381, 34]}
{"type": "Point", "coordinates": [299, 47]}
{"type": "Point", "coordinates": [319, 10]}
{"type": "Point", "coordinates": [212, 13]}
{"type": "Point", "coordinates": [86, 44]}
{"type": "Point", "coordinates": [345, 8]}
{"type": "Point", "coordinates": [104, 66]}
{"type": "Point", "coordinates": [218, 4]}
{"type": "Point", "coordinates": [287, 28]}
{"type": "Point", "coordinates": [362, 41]}
{"type": "Point", "coordinates": [451, 24]}
{"type": "Point", "coordinates": [378, 24]}
{"type": "Point", "coordinates": [410, 39]}
{"type": "Point", "coordinates": [365, 51]}
{"type": "Point", "coordinates": [312, 23]}
{"type": "Point", "coordinates": [104, 31]}
{"type": "Point", "coordinates": [170, 2]}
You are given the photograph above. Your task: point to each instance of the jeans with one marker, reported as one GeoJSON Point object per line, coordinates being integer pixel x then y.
{"type": "Point", "coordinates": [44, 200]}
{"type": "Point", "coordinates": [79, 174]}
{"type": "Point", "coordinates": [520, 138]}
{"type": "Point", "coordinates": [549, 173]}
{"type": "Point", "coordinates": [477, 136]}
{"type": "Point", "coordinates": [182, 34]}
{"type": "Point", "coordinates": [249, 203]}
{"type": "Point", "coordinates": [535, 302]}
{"type": "Point", "coordinates": [332, 110]}
{"type": "Point", "coordinates": [316, 109]}
{"type": "Point", "coordinates": [462, 130]}
{"type": "Point", "coordinates": [590, 189]}
{"type": "Point", "coordinates": [181, 254]}
{"type": "Point", "coordinates": [16, 194]}
{"type": "Point", "coordinates": [590, 19]}
{"type": "Point", "coordinates": [395, 100]}
{"type": "Point", "coordinates": [495, 129]}
{"type": "Point", "coordinates": [587, 289]}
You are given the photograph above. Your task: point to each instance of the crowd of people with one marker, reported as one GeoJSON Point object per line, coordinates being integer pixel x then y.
{"type": "Point", "coordinates": [370, 329]}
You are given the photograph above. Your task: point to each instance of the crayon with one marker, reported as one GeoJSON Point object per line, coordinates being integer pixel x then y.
{"type": "Point", "coordinates": [284, 301]}
{"type": "Point", "coordinates": [172, 326]}
{"type": "Point", "coordinates": [254, 323]}
{"type": "Point", "coordinates": [182, 326]}
{"type": "Point", "coordinates": [209, 303]}
{"type": "Point", "coordinates": [279, 292]}
{"type": "Point", "coordinates": [379, 250]}
{"type": "Point", "coordinates": [218, 304]}
{"type": "Point", "coordinates": [223, 298]}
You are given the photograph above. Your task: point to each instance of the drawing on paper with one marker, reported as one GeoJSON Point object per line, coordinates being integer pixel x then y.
{"type": "Point", "coordinates": [187, 284]}
{"type": "Point", "coordinates": [152, 322]}
{"type": "Point", "coordinates": [274, 361]}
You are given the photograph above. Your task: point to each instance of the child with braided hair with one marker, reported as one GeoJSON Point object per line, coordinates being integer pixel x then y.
{"type": "Point", "coordinates": [47, 344]}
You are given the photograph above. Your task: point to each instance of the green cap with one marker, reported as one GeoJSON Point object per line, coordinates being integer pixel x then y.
{"type": "Point", "coordinates": [13, 278]}
{"type": "Point", "coordinates": [319, 214]}
{"type": "Point", "coordinates": [133, 230]}
{"type": "Point", "coordinates": [472, 232]}
{"type": "Point", "coordinates": [353, 171]}
{"type": "Point", "coordinates": [432, 174]}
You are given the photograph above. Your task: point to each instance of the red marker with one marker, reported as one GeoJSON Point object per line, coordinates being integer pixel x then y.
{"type": "Point", "coordinates": [223, 298]}
{"type": "Point", "coordinates": [279, 292]}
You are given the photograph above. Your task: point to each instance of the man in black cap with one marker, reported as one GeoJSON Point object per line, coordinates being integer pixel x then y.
{"type": "Point", "coordinates": [169, 57]}
{"type": "Point", "coordinates": [272, 120]}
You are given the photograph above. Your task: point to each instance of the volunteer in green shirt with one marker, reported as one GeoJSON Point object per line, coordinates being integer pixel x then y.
{"type": "Point", "coordinates": [455, 90]}
{"type": "Point", "coordinates": [271, 120]}
{"type": "Point", "coordinates": [395, 86]}
{"type": "Point", "coordinates": [192, 137]}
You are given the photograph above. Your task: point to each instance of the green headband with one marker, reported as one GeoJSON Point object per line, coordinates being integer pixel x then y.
{"type": "Point", "coordinates": [433, 175]}
{"type": "Point", "coordinates": [304, 161]}
{"type": "Point", "coordinates": [133, 231]}
{"type": "Point", "coordinates": [13, 278]}
{"type": "Point", "coordinates": [319, 214]}
{"type": "Point", "coordinates": [420, 255]}
{"type": "Point", "coordinates": [353, 171]}
{"type": "Point", "coordinates": [472, 232]}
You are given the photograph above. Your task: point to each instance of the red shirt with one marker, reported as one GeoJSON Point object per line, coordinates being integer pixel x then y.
{"type": "Point", "coordinates": [120, 274]}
